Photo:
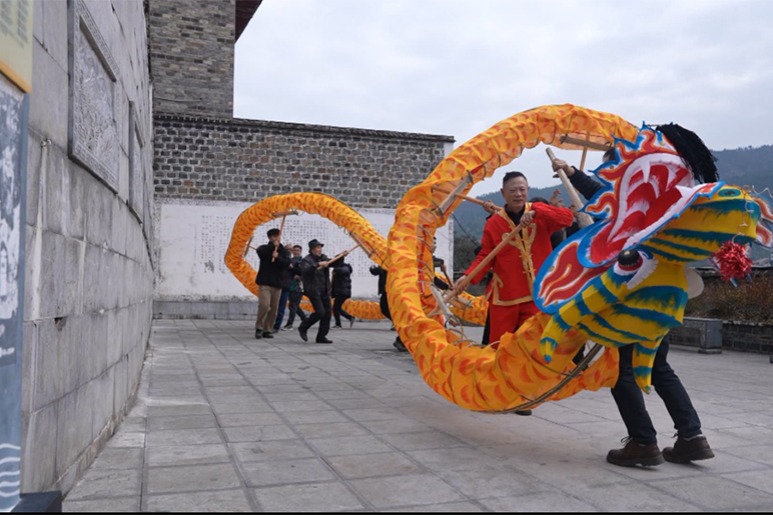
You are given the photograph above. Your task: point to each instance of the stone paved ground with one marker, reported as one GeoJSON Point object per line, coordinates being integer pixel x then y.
{"type": "Point", "coordinates": [224, 422]}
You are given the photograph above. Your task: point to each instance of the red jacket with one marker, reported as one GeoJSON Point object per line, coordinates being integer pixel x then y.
{"type": "Point", "coordinates": [516, 265]}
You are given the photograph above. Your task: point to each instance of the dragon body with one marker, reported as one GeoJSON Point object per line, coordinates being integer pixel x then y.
{"type": "Point", "coordinates": [624, 280]}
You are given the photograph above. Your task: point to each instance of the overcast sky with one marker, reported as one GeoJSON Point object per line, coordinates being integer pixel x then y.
{"type": "Point", "coordinates": [456, 68]}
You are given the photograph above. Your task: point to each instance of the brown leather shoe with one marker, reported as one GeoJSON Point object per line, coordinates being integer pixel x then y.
{"type": "Point", "coordinates": [685, 451]}
{"type": "Point", "coordinates": [635, 454]}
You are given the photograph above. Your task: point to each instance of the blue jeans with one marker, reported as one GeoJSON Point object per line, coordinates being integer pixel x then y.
{"type": "Point", "coordinates": [295, 307]}
{"type": "Point", "coordinates": [630, 399]}
{"type": "Point", "coordinates": [280, 312]}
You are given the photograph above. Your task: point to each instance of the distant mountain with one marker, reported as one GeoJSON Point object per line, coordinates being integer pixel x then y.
{"type": "Point", "coordinates": [750, 167]}
{"type": "Point", "coordinates": [747, 167]}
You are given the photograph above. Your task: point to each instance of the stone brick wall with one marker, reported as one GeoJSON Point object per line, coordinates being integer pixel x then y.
{"type": "Point", "coordinates": [747, 337]}
{"type": "Point", "coordinates": [192, 56]}
{"type": "Point", "coordinates": [88, 269]}
{"type": "Point", "coordinates": [248, 160]}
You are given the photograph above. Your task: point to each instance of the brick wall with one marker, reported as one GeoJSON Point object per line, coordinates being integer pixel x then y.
{"type": "Point", "coordinates": [248, 160]}
{"type": "Point", "coordinates": [192, 56]}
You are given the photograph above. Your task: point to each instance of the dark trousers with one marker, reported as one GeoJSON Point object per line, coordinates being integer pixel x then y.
{"type": "Point", "coordinates": [321, 314]}
{"type": "Point", "coordinates": [338, 310]}
{"type": "Point", "coordinates": [630, 400]}
{"type": "Point", "coordinates": [295, 308]}
{"type": "Point", "coordinates": [384, 305]}
{"type": "Point", "coordinates": [280, 312]}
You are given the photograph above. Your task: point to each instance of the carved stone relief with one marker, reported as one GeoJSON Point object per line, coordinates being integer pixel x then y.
{"type": "Point", "coordinates": [93, 135]}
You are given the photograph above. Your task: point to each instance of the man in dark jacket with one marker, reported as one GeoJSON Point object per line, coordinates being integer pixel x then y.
{"type": "Point", "coordinates": [296, 289]}
{"type": "Point", "coordinates": [342, 291]}
{"type": "Point", "coordinates": [384, 304]}
{"type": "Point", "coordinates": [316, 286]}
{"type": "Point", "coordinates": [274, 260]}
{"type": "Point", "coordinates": [287, 280]}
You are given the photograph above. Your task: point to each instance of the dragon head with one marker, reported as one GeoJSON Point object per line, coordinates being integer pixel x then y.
{"type": "Point", "coordinates": [624, 280]}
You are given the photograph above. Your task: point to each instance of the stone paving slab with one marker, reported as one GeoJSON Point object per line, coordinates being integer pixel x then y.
{"type": "Point", "coordinates": [224, 422]}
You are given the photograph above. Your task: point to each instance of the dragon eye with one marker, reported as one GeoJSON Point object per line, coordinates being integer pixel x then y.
{"type": "Point", "coordinates": [629, 260]}
{"type": "Point", "coordinates": [729, 192]}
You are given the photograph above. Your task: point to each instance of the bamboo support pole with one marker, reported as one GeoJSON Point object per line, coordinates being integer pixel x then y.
{"type": "Point", "coordinates": [584, 143]}
{"type": "Point", "coordinates": [474, 200]}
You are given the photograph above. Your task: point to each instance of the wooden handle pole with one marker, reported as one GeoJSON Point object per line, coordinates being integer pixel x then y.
{"type": "Point", "coordinates": [450, 294]}
{"type": "Point", "coordinates": [584, 152]}
{"type": "Point", "coordinates": [583, 219]}
{"type": "Point", "coordinates": [281, 228]}
{"type": "Point", "coordinates": [342, 254]}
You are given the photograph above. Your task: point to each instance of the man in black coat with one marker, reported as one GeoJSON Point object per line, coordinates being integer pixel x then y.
{"type": "Point", "coordinates": [384, 304]}
{"type": "Point", "coordinates": [316, 286]}
{"type": "Point", "coordinates": [296, 289]}
{"type": "Point", "coordinates": [274, 260]}
{"type": "Point", "coordinates": [342, 291]}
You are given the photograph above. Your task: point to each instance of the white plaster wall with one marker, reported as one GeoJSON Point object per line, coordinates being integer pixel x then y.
{"type": "Point", "coordinates": [193, 237]}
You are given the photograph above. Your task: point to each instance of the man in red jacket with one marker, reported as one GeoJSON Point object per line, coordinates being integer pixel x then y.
{"type": "Point", "coordinates": [509, 292]}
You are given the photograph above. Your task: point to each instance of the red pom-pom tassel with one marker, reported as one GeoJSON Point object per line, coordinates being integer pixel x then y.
{"type": "Point", "coordinates": [732, 261]}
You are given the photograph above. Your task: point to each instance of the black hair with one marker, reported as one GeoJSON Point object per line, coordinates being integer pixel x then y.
{"type": "Point", "coordinates": [691, 148]}
{"type": "Point", "coordinates": [513, 175]}
{"type": "Point", "coordinates": [297, 247]}
{"type": "Point", "coordinates": [539, 199]}
{"type": "Point", "coordinates": [273, 232]}
{"type": "Point", "coordinates": [609, 154]}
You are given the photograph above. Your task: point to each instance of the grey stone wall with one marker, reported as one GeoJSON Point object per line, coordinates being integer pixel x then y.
{"type": "Point", "coordinates": [248, 160]}
{"type": "Point", "coordinates": [737, 336]}
{"type": "Point", "coordinates": [88, 269]}
{"type": "Point", "coordinates": [192, 56]}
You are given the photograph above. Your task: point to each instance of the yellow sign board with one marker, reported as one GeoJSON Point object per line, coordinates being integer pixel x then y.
{"type": "Point", "coordinates": [16, 42]}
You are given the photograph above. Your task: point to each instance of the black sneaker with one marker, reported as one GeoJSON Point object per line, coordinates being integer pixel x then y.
{"type": "Point", "coordinates": [351, 322]}
{"type": "Point", "coordinates": [324, 340]}
{"type": "Point", "coordinates": [258, 334]}
{"type": "Point", "coordinates": [685, 451]}
{"type": "Point", "coordinates": [399, 345]}
{"type": "Point", "coordinates": [268, 334]}
{"type": "Point", "coordinates": [523, 412]}
{"type": "Point", "coordinates": [635, 453]}
{"type": "Point", "coordinates": [303, 334]}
